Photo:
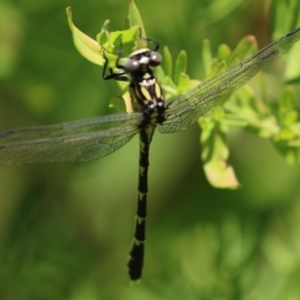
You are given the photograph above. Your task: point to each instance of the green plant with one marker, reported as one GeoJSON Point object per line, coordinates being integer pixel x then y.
{"type": "Point", "coordinates": [246, 108]}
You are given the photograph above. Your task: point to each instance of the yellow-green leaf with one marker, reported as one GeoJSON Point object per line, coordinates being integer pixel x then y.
{"type": "Point", "coordinates": [180, 66]}
{"type": "Point", "coordinates": [87, 47]}
{"type": "Point", "coordinates": [218, 171]}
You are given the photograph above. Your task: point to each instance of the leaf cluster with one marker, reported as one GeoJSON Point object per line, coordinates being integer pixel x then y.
{"type": "Point", "coordinates": [248, 108]}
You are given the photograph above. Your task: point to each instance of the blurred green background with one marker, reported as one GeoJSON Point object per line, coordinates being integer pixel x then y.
{"type": "Point", "coordinates": [66, 229]}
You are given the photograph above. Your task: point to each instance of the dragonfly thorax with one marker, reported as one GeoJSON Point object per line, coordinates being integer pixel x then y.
{"type": "Point", "coordinates": [144, 88]}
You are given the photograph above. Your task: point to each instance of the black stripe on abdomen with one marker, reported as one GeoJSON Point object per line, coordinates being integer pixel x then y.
{"type": "Point", "coordinates": [136, 260]}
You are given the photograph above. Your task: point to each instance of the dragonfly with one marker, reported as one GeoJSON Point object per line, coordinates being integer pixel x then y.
{"type": "Point", "coordinates": [93, 138]}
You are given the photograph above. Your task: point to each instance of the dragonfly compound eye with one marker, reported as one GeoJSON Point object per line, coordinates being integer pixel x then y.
{"type": "Point", "coordinates": [131, 65]}
{"type": "Point", "coordinates": [155, 58]}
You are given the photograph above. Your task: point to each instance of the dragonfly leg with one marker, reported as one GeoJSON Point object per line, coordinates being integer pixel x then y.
{"type": "Point", "coordinates": [121, 74]}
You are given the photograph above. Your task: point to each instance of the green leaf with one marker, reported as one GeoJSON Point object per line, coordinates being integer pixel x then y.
{"type": "Point", "coordinates": [218, 113]}
{"type": "Point", "coordinates": [169, 88]}
{"type": "Point", "coordinates": [218, 171]}
{"type": "Point", "coordinates": [91, 49]}
{"type": "Point", "coordinates": [111, 43]}
{"type": "Point", "coordinates": [224, 53]}
{"type": "Point", "coordinates": [102, 37]}
{"type": "Point", "coordinates": [244, 103]}
{"type": "Point", "coordinates": [246, 47]}
{"type": "Point", "coordinates": [180, 66]}
{"type": "Point", "coordinates": [207, 56]}
{"type": "Point", "coordinates": [290, 150]}
{"type": "Point", "coordinates": [296, 128]}
{"type": "Point", "coordinates": [124, 37]}
{"type": "Point", "coordinates": [86, 46]}
{"type": "Point", "coordinates": [134, 19]}
{"type": "Point", "coordinates": [287, 113]}
{"type": "Point", "coordinates": [292, 71]}
{"type": "Point", "coordinates": [183, 83]}
{"type": "Point", "coordinates": [167, 62]}
{"type": "Point", "coordinates": [235, 121]}
{"type": "Point", "coordinates": [219, 68]}
{"type": "Point", "coordinates": [282, 24]}
{"type": "Point", "coordinates": [117, 102]}
{"type": "Point", "coordinates": [263, 127]}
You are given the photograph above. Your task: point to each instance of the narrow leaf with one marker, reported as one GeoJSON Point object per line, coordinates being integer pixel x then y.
{"type": "Point", "coordinates": [87, 47]}
{"type": "Point", "coordinates": [167, 62]}
{"type": "Point", "coordinates": [246, 47]}
{"type": "Point", "coordinates": [207, 56]}
{"type": "Point", "coordinates": [134, 18]}
{"type": "Point", "coordinates": [180, 66]}
{"type": "Point", "coordinates": [224, 53]}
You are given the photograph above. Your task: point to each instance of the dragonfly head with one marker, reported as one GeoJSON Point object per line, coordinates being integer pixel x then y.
{"type": "Point", "coordinates": [142, 59]}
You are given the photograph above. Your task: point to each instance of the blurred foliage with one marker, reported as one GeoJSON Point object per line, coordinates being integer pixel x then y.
{"type": "Point", "coordinates": [65, 229]}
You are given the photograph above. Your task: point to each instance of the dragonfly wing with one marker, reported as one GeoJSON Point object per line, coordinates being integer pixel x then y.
{"type": "Point", "coordinates": [77, 141]}
{"type": "Point", "coordinates": [186, 109]}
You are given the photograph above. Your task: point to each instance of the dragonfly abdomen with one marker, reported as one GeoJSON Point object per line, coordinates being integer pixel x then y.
{"type": "Point", "coordinates": [136, 259]}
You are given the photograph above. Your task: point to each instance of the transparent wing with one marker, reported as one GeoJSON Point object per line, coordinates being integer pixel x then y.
{"type": "Point", "coordinates": [77, 141]}
{"type": "Point", "coordinates": [186, 109]}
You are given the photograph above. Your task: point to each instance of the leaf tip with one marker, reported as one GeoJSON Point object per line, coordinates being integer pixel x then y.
{"type": "Point", "coordinates": [69, 15]}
